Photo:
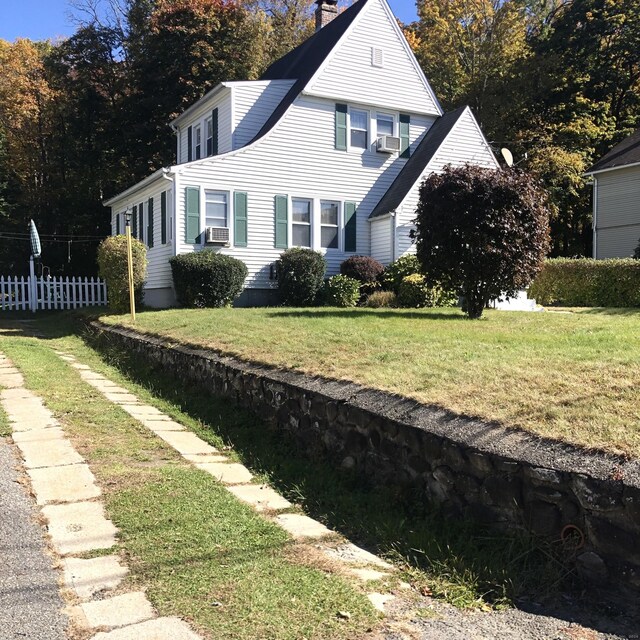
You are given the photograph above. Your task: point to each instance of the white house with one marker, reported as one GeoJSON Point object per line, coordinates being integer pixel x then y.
{"type": "Point", "coordinates": [326, 150]}
{"type": "Point", "coordinates": [616, 200]}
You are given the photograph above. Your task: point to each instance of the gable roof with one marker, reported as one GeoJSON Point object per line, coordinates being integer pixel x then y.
{"type": "Point", "coordinates": [417, 163]}
{"type": "Point", "coordinates": [624, 153]}
{"type": "Point", "coordinates": [301, 63]}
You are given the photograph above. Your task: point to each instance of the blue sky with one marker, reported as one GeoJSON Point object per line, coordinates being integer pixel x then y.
{"type": "Point", "coordinates": [42, 19]}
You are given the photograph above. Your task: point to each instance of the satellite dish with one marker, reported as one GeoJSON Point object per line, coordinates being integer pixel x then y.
{"type": "Point", "coordinates": [507, 155]}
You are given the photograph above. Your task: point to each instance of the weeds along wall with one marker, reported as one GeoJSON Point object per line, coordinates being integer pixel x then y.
{"type": "Point", "coordinates": [509, 479]}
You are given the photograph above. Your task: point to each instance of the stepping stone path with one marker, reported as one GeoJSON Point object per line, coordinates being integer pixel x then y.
{"type": "Point", "coordinates": [65, 488]}
{"type": "Point", "coordinates": [238, 480]}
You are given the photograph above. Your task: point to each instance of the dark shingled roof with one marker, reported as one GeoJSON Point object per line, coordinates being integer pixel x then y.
{"type": "Point", "coordinates": [624, 153]}
{"type": "Point", "coordinates": [301, 63]}
{"type": "Point", "coordinates": [417, 163]}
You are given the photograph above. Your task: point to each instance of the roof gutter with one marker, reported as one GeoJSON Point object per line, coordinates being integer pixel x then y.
{"type": "Point", "coordinates": [622, 166]}
{"type": "Point", "coordinates": [160, 173]}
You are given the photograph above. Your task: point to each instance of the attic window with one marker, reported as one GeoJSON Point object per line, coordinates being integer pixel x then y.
{"type": "Point", "coordinates": [377, 57]}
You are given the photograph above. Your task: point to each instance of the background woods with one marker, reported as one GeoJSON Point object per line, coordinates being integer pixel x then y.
{"type": "Point", "coordinates": [556, 81]}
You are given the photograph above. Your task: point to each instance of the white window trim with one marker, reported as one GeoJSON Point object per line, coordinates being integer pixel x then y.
{"type": "Point", "coordinates": [230, 215]}
{"type": "Point", "coordinates": [316, 225]}
{"type": "Point", "coordinates": [396, 125]}
{"type": "Point", "coordinates": [351, 148]}
{"type": "Point", "coordinates": [312, 230]}
{"type": "Point", "coordinates": [338, 226]}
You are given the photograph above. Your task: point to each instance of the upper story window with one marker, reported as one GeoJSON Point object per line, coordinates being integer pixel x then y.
{"type": "Point", "coordinates": [329, 220]}
{"type": "Point", "coordinates": [301, 222]}
{"type": "Point", "coordinates": [358, 129]}
{"type": "Point", "coordinates": [197, 146]}
{"type": "Point", "coordinates": [216, 209]}
{"type": "Point", "coordinates": [385, 124]}
{"type": "Point", "coordinates": [209, 128]}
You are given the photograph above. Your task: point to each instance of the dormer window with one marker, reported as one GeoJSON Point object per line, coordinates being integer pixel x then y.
{"type": "Point", "coordinates": [197, 134]}
{"type": "Point", "coordinates": [358, 129]}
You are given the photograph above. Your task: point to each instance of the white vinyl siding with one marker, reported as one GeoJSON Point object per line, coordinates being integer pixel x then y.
{"type": "Point", "coordinates": [618, 212]}
{"type": "Point", "coordinates": [350, 76]}
{"type": "Point", "coordinates": [381, 233]}
{"type": "Point", "coordinates": [222, 102]}
{"type": "Point", "coordinates": [253, 103]}
{"type": "Point", "coordinates": [297, 158]}
{"type": "Point", "coordinates": [158, 269]}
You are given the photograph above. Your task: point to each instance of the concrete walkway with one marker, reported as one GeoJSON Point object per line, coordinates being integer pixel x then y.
{"type": "Point", "coordinates": [359, 563]}
{"type": "Point", "coordinates": [65, 488]}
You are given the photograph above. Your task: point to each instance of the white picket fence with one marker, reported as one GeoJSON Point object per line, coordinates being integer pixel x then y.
{"type": "Point", "coordinates": [39, 293]}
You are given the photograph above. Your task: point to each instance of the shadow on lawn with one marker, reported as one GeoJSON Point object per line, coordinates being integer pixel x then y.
{"type": "Point", "coordinates": [451, 557]}
{"type": "Point", "coordinates": [318, 313]}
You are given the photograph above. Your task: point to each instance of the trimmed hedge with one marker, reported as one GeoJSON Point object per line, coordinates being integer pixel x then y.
{"type": "Point", "coordinates": [341, 291]}
{"type": "Point", "coordinates": [114, 270]}
{"type": "Point", "coordinates": [414, 293]}
{"type": "Point", "coordinates": [300, 276]}
{"type": "Point", "coordinates": [584, 282]}
{"type": "Point", "coordinates": [207, 278]}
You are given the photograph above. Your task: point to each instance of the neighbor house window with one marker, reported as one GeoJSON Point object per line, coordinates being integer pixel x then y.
{"type": "Point", "coordinates": [301, 222]}
{"type": "Point", "coordinates": [197, 132]}
{"type": "Point", "coordinates": [358, 129]}
{"type": "Point", "coordinates": [209, 126]}
{"type": "Point", "coordinates": [384, 124]}
{"type": "Point", "coordinates": [329, 217]}
{"type": "Point", "coordinates": [215, 209]}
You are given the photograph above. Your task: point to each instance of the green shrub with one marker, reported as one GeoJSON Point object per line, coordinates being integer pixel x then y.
{"type": "Point", "coordinates": [392, 276]}
{"type": "Point", "coordinates": [379, 299]}
{"type": "Point", "coordinates": [207, 278]}
{"type": "Point", "coordinates": [414, 293]}
{"type": "Point", "coordinates": [341, 291]}
{"type": "Point", "coordinates": [584, 282]}
{"type": "Point", "coordinates": [113, 269]}
{"type": "Point", "coordinates": [300, 276]}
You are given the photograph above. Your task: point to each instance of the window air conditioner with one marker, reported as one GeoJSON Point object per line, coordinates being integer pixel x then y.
{"type": "Point", "coordinates": [216, 235]}
{"type": "Point", "coordinates": [388, 144]}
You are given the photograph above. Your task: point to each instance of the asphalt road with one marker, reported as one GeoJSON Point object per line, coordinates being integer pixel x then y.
{"type": "Point", "coordinates": [30, 602]}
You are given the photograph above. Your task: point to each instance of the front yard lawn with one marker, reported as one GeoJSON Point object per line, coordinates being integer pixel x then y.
{"type": "Point", "coordinates": [568, 375]}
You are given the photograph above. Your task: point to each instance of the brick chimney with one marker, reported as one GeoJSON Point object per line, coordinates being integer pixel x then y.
{"type": "Point", "coordinates": [327, 10]}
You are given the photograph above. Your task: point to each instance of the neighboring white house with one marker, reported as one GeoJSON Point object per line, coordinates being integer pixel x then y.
{"type": "Point", "coordinates": [616, 200]}
{"type": "Point", "coordinates": [327, 150]}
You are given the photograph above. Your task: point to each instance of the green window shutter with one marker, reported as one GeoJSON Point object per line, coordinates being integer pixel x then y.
{"type": "Point", "coordinates": [117, 224]}
{"type": "Point", "coordinates": [341, 127]}
{"type": "Point", "coordinates": [134, 218]}
{"type": "Point", "coordinates": [192, 222]}
{"type": "Point", "coordinates": [282, 222]}
{"type": "Point", "coordinates": [214, 132]}
{"type": "Point", "coordinates": [405, 140]}
{"type": "Point", "coordinates": [141, 221]}
{"type": "Point", "coordinates": [350, 226]}
{"type": "Point", "coordinates": [189, 144]}
{"type": "Point", "coordinates": [163, 217]}
{"type": "Point", "coordinates": [240, 219]}
{"type": "Point", "coordinates": [150, 226]}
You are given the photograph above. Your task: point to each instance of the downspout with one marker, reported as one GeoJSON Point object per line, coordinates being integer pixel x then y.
{"type": "Point", "coordinates": [394, 236]}
{"type": "Point", "coordinates": [595, 218]}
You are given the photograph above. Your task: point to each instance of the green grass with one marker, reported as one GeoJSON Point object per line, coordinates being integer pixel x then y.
{"type": "Point", "coordinates": [455, 560]}
{"type": "Point", "coordinates": [185, 539]}
{"type": "Point", "coordinates": [5, 427]}
{"type": "Point", "coordinates": [569, 376]}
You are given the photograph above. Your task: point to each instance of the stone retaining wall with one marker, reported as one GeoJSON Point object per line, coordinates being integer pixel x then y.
{"type": "Point", "coordinates": [504, 477]}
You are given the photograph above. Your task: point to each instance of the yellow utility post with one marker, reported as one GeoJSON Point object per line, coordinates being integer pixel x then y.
{"type": "Point", "coordinates": [132, 297]}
